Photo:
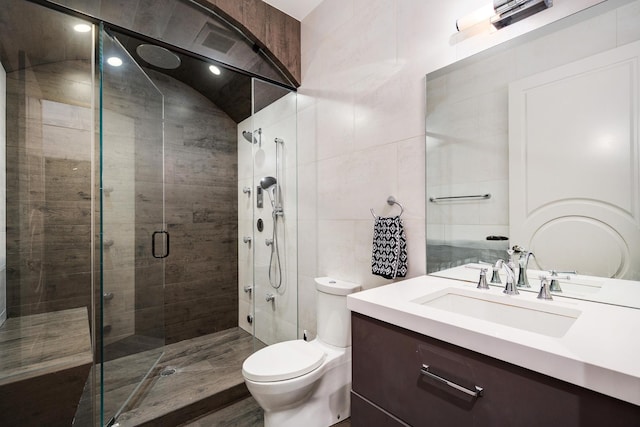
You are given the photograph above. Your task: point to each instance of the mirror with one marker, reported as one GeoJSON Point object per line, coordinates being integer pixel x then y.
{"type": "Point", "coordinates": [535, 143]}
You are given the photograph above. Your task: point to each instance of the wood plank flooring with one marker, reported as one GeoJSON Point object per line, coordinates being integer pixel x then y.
{"type": "Point", "coordinates": [207, 388]}
{"type": "Point", "coordinates": [245, 413]}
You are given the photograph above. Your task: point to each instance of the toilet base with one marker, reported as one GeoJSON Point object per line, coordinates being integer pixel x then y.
{"type": "Point", "coordinates": [329, 404]}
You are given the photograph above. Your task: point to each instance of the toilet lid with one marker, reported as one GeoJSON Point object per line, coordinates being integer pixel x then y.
{"type": "Point", "coordinates": [282, 361]}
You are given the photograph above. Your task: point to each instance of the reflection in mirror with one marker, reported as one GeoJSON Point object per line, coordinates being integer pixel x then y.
{"type": "Point", "coordinates": [534, 143]}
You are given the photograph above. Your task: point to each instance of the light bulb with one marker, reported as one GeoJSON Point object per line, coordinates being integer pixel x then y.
{"type": "Point", "coordinates": [114, 61]}
{"type": "Point", "coordinates": [82, 28]}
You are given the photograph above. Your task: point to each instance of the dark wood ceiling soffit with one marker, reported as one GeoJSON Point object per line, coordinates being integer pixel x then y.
{"type": "Point", "coordinates": [275, 32]}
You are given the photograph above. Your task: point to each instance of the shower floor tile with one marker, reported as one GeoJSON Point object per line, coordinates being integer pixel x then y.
{"type": "Point", "coordinates": [208, 375]}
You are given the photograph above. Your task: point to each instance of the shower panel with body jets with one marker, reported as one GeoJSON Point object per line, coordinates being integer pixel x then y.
{"type": "Point", "coordinates": [271, 185]}
{"type": "Point", "coordinates": [268, 269]}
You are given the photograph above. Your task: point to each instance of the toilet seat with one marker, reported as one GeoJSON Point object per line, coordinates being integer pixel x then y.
{"type": "Point", "coordinates": [283, 361]}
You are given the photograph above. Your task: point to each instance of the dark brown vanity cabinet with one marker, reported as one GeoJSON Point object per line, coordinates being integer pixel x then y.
{"type": "Point", "coordinates": [391, 389]}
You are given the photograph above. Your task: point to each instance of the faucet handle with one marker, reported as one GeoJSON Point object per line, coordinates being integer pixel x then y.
{"type": "Point", "coordinates": [554, 286]}
{"type": "Point", "coordinates": [545, 292]}
{"type": "Point", "coordinates": [482, 282]}
{"type": "Point", "coordinates": [545, 286]}
{"type": "Point", "coordinates": [495, 275]}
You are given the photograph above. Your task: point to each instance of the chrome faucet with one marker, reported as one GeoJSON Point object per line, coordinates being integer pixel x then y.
{"type": "Point", "coordinates": [510, 288]}
{"type": "Point", "coordinates": [523, 264]}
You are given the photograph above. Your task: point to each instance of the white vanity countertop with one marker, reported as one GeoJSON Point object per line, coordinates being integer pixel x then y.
{"type": "Point", "coordinates": [600, 351]}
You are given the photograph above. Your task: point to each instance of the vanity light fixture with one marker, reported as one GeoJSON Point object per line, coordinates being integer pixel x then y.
{"type": "Point", "coordinates": [114, 61]}
{"type": "Point", "coordinates": [483, 14]}
{"type": "Point", "coordinates": [215, 70]}
{"type": "Point", "coordinates": [82, 28]}
{"type": "Point", "coordinates": [502, 13]}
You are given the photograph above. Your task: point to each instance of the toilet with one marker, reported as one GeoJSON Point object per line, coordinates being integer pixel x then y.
{"type": "Point", "coordinates": [299, 383]}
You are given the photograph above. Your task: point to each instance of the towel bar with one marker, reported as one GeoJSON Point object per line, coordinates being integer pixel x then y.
{"type": "Point", "coordinates": [472, 197]}
{"type": "Point", "coordinates": [390, 201]}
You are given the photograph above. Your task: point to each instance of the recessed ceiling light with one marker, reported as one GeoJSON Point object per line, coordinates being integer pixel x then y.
{"type": "Point", "coordinates": [82, 28]}
{"type": "Point", "coordinates": [215, 70]}
{"type": "Point", "coordinates": [114, 61]}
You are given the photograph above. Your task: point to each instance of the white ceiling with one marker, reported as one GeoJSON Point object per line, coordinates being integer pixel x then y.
{"type": "Point", "coordinates": [299, 9]}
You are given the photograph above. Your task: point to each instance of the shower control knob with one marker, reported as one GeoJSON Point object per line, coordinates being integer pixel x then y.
{"type": "Point", "coordinates": [246, 239]}
{"type": "Point", "coordinates": [270, 297]}
{"type": "Point", "coordinates": [250, 318]}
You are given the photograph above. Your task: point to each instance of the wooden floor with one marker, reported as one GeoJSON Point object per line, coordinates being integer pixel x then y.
{"type": "Point", "coordinates": [206, 390]}
{"type": "Point", "coordinates": [245, 413]}
{"type": "Point", "coordinates": [208, 375]}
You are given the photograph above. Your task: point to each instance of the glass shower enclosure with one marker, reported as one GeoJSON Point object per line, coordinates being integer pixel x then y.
{"type": "Point", "coordinates": [94, 173]}
{"type": "Point", "coordinates": [82, 292]}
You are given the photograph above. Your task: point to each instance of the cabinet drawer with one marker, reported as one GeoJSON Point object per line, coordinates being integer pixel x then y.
{"type": "Point", "coordinates": [364, 414]}
{"type": "Point", "coordinates": [387, 363]}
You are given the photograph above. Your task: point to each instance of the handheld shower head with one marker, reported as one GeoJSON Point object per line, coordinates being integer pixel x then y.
{"type": "Point", "coordinates": [267, 182]}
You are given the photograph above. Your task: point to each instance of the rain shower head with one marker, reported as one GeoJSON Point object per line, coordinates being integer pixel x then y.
{"type": "Point", "coordinates": [267, 182]}
{"type": "Point", "coordinates": [249, 136]}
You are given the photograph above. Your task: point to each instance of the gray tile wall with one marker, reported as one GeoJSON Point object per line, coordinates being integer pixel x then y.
{"type": "Point", "coordinates": [48, 188]}
{"type": "Point", "coordinates": [201, 213]}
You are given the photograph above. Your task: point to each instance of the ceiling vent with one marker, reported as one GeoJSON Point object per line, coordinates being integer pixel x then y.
{"type": "Point", "coordinates": [216, 38]}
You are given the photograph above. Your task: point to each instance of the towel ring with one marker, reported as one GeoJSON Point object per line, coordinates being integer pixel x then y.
{"type": "Point", "coordinates": [390, 201]}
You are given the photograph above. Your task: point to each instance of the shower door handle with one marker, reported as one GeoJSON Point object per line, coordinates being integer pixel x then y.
{"type": "Point", "coordinates": [153, 244]}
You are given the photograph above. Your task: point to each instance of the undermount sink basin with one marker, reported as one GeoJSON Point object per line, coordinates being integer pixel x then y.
{"type": "Point", "coordinates": [534, 316]}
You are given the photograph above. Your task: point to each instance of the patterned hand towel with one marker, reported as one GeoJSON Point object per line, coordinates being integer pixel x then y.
{"type": "Point", "coordinates": [389, 258]}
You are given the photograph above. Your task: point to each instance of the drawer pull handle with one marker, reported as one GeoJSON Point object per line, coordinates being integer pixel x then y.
{"type": "Point", "coordinates": [477, 393]}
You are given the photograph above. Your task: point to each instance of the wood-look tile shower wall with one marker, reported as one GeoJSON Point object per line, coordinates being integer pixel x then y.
{"type": "Point", "coordinates": [201, 174]}
{"type": "Point", "coordinates": [49, 210]}
{"type": "Point", "coordinates": [48, 188]}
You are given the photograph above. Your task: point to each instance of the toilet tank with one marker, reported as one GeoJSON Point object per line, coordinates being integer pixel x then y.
{"type": "Point", "coordinates": [333, 316]}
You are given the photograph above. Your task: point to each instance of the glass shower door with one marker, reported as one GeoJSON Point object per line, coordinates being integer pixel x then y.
{"type": "Point", "coordinates": [133, 243]}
